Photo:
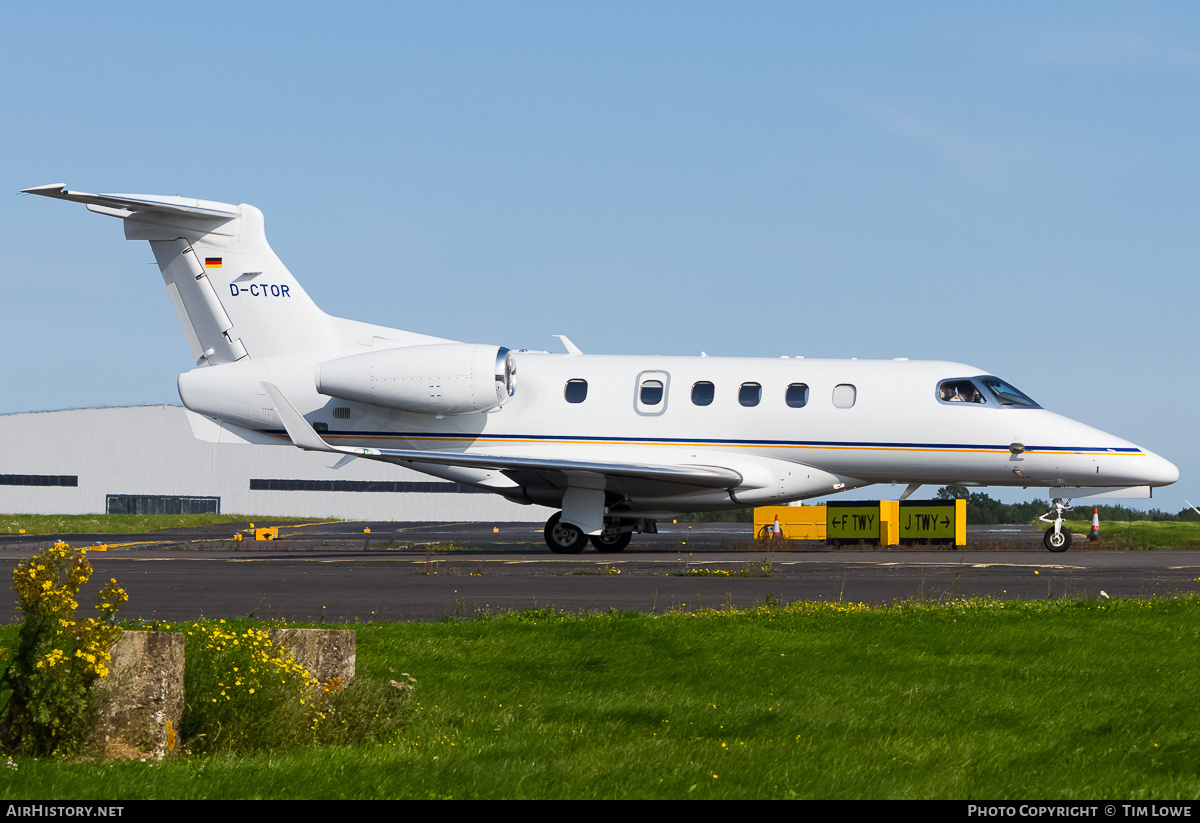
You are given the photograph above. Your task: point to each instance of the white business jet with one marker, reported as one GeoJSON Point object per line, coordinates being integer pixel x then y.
{"type": "Point", "coordinates": [615, 442]}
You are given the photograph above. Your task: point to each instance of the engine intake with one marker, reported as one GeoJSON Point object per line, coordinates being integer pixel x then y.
{"type": "Point", "coordinates": [444, 378]}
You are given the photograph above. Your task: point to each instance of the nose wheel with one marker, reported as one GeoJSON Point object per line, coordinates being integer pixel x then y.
{"type": "Point", "coordinates": [1057, 542]}
{"type": "Point", "coordinates": [1056, 539]}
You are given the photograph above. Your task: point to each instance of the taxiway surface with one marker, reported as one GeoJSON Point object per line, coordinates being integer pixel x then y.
{"type": "Point", "coordinates": [427, 571]}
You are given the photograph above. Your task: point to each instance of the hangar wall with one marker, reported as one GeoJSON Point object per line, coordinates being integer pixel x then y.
{"type": "Point", "coordinates": [150, 450]}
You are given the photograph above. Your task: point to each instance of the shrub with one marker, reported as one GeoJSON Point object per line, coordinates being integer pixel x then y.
{"type": "Point", "coordinates": [58, 657]}
{"type": "Point", "coordinates": [242, 692]}
{"type": "Point", "coordinates": [245, 694]}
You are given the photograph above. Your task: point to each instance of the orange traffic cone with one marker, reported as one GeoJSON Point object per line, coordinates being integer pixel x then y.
{"type": "Point", "coordinates": [1094, 534]}
{"type": "Point", "coordinates": [775, 530]}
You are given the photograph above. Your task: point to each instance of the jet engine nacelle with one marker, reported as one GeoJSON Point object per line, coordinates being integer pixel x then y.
{"type": "Point", "coordinates": [441, 379]}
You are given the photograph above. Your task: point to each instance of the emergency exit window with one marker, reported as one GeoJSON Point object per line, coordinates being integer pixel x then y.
{"type": "Point", "coordinates": [652, 392]}
{"type": "Point", "coordinates": [651, 397]}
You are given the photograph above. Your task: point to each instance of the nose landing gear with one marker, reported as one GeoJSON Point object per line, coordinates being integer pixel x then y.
{"type": "Point", "coordinates": [1056, 539]}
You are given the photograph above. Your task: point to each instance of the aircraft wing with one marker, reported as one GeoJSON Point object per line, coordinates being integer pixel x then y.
{"type": "Point", "coordinates": [303, 435]}
{"type": "Point", "coordinates": [713, 477]}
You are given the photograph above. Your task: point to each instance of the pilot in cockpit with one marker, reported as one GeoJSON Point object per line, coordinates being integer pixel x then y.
{"type": "Point", "coordinates": [961, 392]}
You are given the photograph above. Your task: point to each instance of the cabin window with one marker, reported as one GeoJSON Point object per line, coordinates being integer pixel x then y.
{"type": "Point", "coordinates": [576, 391]}
{"type": "Point", "coordinates": [749, 394]}
{"type": "Point", "coordinates": [651, 392]}
{"type": "Point", "coordinates": [703, 393]}
{"type": "Point", "coordinates": [844, 395]}
{"type": "Point", "coordinates": [797, 395]}
{"type": "Point", "coordinates": [959, 391]}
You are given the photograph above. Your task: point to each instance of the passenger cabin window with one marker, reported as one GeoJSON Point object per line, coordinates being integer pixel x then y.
{"type": "Point", "coordinates": [959, 391]}
{"type": "Point", "coordinates": [749, 394]}
{"type": "Point", "coordinates": [652, 392]}
{"type": "Point", "coordinates": [844, 395]}
{"type": "Point", "coordinates": [576, 391]}
{"type": "Point", "coordinates": [651, 396]}
{"type": "Point", "coordinates": [703, 393]}
{"type": "Point", "coordinates": [797, 395]}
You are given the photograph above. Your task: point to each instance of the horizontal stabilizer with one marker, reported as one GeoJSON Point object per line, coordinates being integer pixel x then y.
{"type": "Point", "coordinates": [123, 205]}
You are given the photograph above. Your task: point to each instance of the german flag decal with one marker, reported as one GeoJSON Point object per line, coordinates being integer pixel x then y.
{"type": "Point", "coordinates": [212, 262]}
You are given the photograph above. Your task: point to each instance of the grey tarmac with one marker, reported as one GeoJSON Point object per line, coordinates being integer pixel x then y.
{"type": "Point", "coordinates": [337, 572]}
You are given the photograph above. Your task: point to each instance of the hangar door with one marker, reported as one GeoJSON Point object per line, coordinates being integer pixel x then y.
{"type": "Point", "coordinates": [160, 504]}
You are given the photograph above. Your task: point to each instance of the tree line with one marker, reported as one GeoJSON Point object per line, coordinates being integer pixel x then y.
{"type": "Point", "coordinates": [984, 511]}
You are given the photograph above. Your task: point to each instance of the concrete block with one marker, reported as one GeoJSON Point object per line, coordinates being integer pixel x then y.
{"type": "Point", "coordinates": [142, 697]}
{"type": "Point", "coordinates": [326, 653]}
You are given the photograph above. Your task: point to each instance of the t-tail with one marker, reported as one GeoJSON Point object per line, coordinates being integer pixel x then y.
{"type": "Point", "coordinates": [235, 299]}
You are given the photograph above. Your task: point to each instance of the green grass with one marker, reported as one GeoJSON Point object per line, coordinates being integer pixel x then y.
{"type": "Point", "coordinates": [1141, 534]}
{"type": "Point", "coordinates": [982, 699]}
{"type": "Point", "coordinates": [59, 524]}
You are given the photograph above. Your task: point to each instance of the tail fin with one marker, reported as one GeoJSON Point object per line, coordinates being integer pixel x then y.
{"type": "Point", "coordinates": [234, 297]}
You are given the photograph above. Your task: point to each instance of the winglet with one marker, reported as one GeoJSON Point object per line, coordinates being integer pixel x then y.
{"type": "Point", "coordinates": [568, 345]}
{"type": "Point", "coordinates": [302, 434]}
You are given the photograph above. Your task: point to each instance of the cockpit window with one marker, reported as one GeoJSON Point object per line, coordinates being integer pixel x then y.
{"type": "Point", "coordinates": [959, 391]}
{"type": "Point", "coordinates": [1006, 395]}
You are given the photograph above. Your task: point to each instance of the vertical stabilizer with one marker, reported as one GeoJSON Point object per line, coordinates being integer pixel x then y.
{"type": "Point", "coordinates": [234, 297]}
{"type": "Point", "coordinates": [233, 288]}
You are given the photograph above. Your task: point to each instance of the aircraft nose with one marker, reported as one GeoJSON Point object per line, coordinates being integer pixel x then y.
{"type": "Point", "coordinates": [1158, 471]}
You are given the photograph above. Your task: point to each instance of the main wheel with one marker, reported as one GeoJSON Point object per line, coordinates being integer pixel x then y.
{"type": "Point", "coordinates": [611, 543]}
{"type": "Point", "coordinates": [563, 538]}
{"type": "Point", "coordinates": [1057, 542]}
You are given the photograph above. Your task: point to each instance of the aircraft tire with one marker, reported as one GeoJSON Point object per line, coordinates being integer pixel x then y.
{"type": "Point", "coordinates": [611, 545]}
{"type": "Point", "coordinates": [563, 538]}
{"type": "Point", "coordinates": [1057, 542]}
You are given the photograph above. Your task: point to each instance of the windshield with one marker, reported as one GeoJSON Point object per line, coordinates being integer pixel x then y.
{"type": "Point", "coordinates": [1006, 395]}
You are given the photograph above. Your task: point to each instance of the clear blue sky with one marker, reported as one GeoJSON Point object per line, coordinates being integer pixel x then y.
{"type": "Point", "coordinates": [1014, 186]}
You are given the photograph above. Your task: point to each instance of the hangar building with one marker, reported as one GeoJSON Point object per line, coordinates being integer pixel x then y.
{"type": "Point", "coordinates": [144, 459]}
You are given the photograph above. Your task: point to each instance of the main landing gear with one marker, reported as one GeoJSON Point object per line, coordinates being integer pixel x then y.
{"type": "Point", "coordinates": [567, 538]}
{"type": "Point", "coordinates": [1056, 539]}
